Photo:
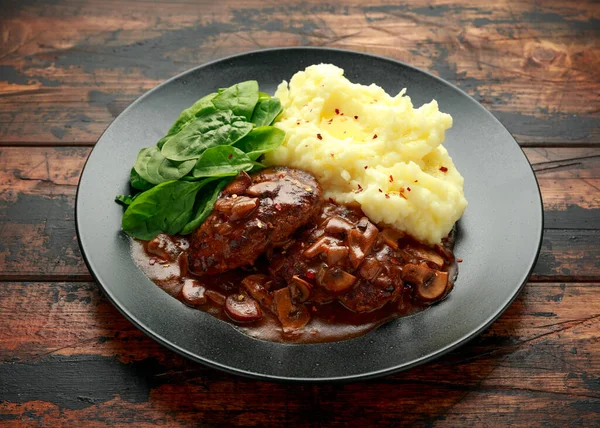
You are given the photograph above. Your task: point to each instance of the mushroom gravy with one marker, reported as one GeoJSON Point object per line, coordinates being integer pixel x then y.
{"type": "Point", "coordinates": [338, 277]}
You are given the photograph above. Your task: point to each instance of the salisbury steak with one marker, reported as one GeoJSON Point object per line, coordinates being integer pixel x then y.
{"type": "Point", "coordinates": [251, 215]}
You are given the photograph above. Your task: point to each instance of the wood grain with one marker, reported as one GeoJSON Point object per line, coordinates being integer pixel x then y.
{"type": "Point", "coordinates": [68, 68]}
{"type": "Point", "coordinates": [38, 185]}
{"type": "Point", "coordinates": [543, 352]}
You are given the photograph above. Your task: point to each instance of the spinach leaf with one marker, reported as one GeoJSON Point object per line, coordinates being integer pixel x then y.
{"type": "Point", "coordinates": [138, 182]}
{"type": "Point", "coordinates": [207, 130]}
{"type": "Point", "coordinates": [204, 205]}
{"type": "Point", "coordinates": [262, 96]}
{"type": "Point", "coordinates": [240, 98]}
{"type": "Point", "coordinates": [125, 200]}
{"type": "Point", "coordinates": [266, 111]}
{"type": "Point", "coordinates": [153, 167]}
{"type": "Point", "coordinates": [261, 140]}
{"type": "Point", "coordinates": [221, 161]}
{"type": "Point", "coordinates": [187, 115]}
{"type": "Point", "coordinates": [166, 208]}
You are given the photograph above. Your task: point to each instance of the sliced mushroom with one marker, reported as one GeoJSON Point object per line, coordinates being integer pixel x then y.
{"type": "Point", "coordinates": [184, 264]}
{"type": "Point", "coordinates": [391, 237]}
{"type": "Point", "coordinates": [215, 297]}
{"type": "Point", "coordinates": [257, 286]}
{"type": "Point", "coordinates": [416, 274]}
{"type": "Point", "coordinates": [337, 255]}
{"type": "Point", "coordinates": [317, 248]}
{"type": "Point", "coordinates": [337, 225]}
{"type": "Point", "coordinates": [163, 247]}
{"type": "Point", "coordinates": [266, 188]}
{"type": "Point", "coordinates": [370, 268]}
{"type": "Point", "coordinates": [242, 207]}
{"type": "Point", "coordinates": [291, 316]}
{"type": "Point", "coordinates": [428, 255]}
{"type": "Point", "coordinates": [300, 289]}
{"type": "Point", "coordinates": [361, 241]}
{"type": "Point", "coordinates": [430, 284]}
{"type": "Point", "coordinates": [193, 293]}
{"type": "Point", "coordinates": [434, 288]}
{"type": "Point", "coordinates": [335, 279]}
{"type": "Point", "coordinates": [355, 254]}
{"type": "Point", "coordinates": [239, 185]}
{"type": "Point", "coordinates": [242, 308]}
{"type": "Point", "coordinates": [224, 205]}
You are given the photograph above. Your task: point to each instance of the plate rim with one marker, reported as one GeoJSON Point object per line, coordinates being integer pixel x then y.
{"type": "Point", "coordinates": [336, 379]}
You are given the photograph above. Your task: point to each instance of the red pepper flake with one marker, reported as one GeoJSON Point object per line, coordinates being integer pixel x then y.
{"type": "Point", "coordinates": [310, 274]}
{"type": "Point", "coordinates": [391, 178]}
{"type": "Point", "coordinates": [355, 117]}
{"type": "Point", "coordinates": [366, 166]}
{"type": "Point", "coordinates": [416, 181]}
{"type": "Point", "coordinates": [459, 260]}
{"type": "Point", "coordinates": [230, 156]}
{"type": "Point", "coordinates": [360, 189]}
{"type": "Point", "coordinates": [408, 188]}
{"type": "Point", "coordinates": [298, 122]}
{"type": "Point", "coordinates": [374, 136]}
{"type": "Point", "coordinates": [341, 114]}
{"type": "Point", "coordinates": [278, 207]}
{"type": "Point", "coordinates": [380, 191]}
{"type": "Point", "coordinates": [337, 111]}
{"type": "Point", "coordinates": [387, 196]}
{"type": "Point", "coordinates": [332, 155]}
{"type": "Point", "coordinates": [443, 169]}
{"type": "Point", "coordinates": [402, 194]}
{"type": "Point", "coordinates": [319, 136]}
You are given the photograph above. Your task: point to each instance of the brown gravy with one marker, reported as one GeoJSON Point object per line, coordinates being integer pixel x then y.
{"type": "Point", "coordinates": [329, 322]}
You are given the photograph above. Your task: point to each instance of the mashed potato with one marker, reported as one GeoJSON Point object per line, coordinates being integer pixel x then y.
{"type": "Point", "coordinates": [368, 147]}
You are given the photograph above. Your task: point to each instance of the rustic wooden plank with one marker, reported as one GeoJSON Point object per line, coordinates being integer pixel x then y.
{"type": "Point", "coordinates": [37, 197]}
{"type": "Point", "coordinates": [66, 354]}
{"type": "Point", "coordinates": [38, 185]}
{"type": "Point", "coordinates": [68, 68]}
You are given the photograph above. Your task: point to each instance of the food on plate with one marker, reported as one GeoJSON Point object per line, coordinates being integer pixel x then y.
{"type": "Point", "coordinates": [367, 147]}
{"type": "Point", "coordinates": [180, 176]}
{"type": "Point", "coordinates": [287, 265]}
{"type": "Point", "coordinates": [256, 214]}
{"type": "Point", "coordinates": [310, 219]}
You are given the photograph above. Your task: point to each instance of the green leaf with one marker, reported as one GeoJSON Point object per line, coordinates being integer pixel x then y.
{"type": "Point", "coordinates": [240, 98]}
{"type": "Point", "coordinates": [261, 140]}
{"type": "Point", "coordinates": [166, 208]}
{"type": "Point", "coordinates": [266, 111]}
{"type": "Point", "coordinates": [206, 131]}
{"type": "Point", "coordinates": [262, 96]}
{"type": "Point", "coordinates": [205, 201]}
{"type": "Point", "coordinates": [222, 161]}
{"type": "Point", "coordinates": [200, 107]}
{"type": "Point", "coordinates": [138, 182]}
{"type": "Point", "coordinates": [125, 200]}
{"type": "Point", "coordinates": [153, 167]}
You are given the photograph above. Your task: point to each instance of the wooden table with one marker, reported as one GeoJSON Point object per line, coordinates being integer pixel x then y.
{"type": "Point", "coordinates": [67, 68]}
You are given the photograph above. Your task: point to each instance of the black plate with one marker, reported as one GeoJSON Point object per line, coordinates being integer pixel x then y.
{"type": "Point", "coordinates": [499, 234]}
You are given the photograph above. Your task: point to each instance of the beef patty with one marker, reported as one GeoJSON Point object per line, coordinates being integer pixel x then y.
{"type": "Point", "coordinates": [252, 214]}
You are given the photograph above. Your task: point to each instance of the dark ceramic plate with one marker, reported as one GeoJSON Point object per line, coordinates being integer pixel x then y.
{"type": "Point", "coordinates": [499, 234]}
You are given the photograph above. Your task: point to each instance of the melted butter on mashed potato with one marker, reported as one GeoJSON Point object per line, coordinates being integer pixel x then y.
{"type": "Point", "coordinates": [368, 147]}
